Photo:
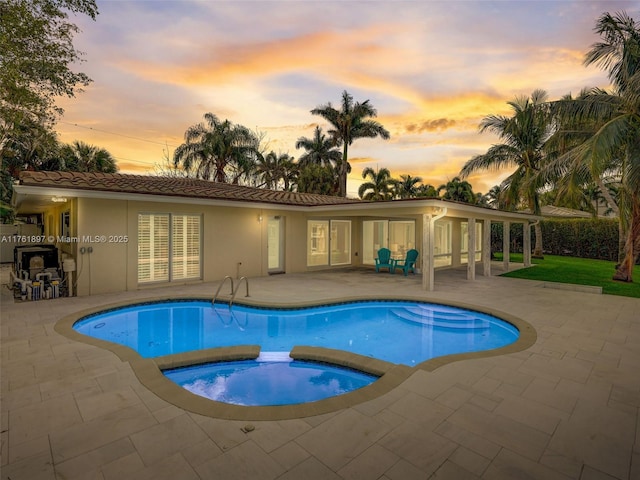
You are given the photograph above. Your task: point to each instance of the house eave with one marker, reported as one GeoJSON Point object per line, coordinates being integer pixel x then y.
{"type": "Point", "coordinates": [22, 192]}
{"type": "Point", "coordinates": [42, 196]}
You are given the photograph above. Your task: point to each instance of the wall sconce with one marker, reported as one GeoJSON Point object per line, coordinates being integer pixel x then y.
{"type": "Point", "coordinates": [58, 199]}
{"type": "Point", "coordinates": [260, 218]}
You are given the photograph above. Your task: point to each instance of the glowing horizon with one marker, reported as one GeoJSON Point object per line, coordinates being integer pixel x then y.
{"type": "Point", "coordinates": [432, 70]}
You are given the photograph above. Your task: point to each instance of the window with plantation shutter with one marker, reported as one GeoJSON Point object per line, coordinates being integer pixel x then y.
{"type": "Point", "coordinates": [185, 249]}
{"type": "Point", "coordinates": [168, 247]}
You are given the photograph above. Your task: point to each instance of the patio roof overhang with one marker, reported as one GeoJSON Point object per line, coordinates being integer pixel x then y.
{"type": "Point", "coordinates": [432, 206]}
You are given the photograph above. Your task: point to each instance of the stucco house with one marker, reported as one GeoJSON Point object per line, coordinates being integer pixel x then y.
{"type": "Point", "coordinates": [128, 232]}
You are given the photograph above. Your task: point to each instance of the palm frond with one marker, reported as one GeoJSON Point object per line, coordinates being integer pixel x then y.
{"type": "Point", "coordinates": [606, 142]}
{"type": "Point", "coordinates": [618, 53]}
{"type": "Point", "coordinates": [497, 157]}
{"type": "Point", "coordinates": [493, 123]}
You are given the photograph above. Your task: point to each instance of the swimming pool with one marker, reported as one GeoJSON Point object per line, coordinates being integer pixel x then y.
{"type": "Point", "coordinates": [274, 382]}
{"type": "Point", "coordinates": [399, 332]}
{"type": "Point", "coordinates": [388, 339]}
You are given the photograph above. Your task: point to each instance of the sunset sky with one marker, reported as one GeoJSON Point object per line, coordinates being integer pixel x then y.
{"type": "Point", "coordinates": [432, 69]}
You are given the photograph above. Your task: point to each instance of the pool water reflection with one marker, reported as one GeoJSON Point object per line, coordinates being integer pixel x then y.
{"type": "Point", "coordinates": [253, 383]}
{"type": "Point", "coordinates": [398, 332]}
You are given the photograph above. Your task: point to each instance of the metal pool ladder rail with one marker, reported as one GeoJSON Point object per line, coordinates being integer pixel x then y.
{"type": "Point", "coordinates": [246, 281]}
{"type": "Point", "coordinates": [213, 301]}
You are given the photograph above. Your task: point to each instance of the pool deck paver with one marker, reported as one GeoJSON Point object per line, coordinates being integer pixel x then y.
{"type": "Point", "coordinates": [565, 408]}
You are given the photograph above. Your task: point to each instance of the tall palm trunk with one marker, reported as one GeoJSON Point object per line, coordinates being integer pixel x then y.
{"type": "Point", "coordinates": [537, 249]}
{"type": "Point", "coordinates": [624, 272]}
{"type": "Point", "coordinates": [220, 175]}
{"type": "Point", "coordinates": [537, 228]}
{"type": "Point", "coordinates": [342, 171]}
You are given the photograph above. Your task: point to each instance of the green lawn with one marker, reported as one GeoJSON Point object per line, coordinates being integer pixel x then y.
{"type": "Point", "coordinates": [578, 271]}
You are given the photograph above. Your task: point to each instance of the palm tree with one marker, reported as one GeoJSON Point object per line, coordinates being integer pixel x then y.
{"type": "Point", "coordinates": [614, 142]}
{"type": "Point", "coordinates": [30, 146]}
{"type": "Point", "coordinates": [481, 200]}
{"type": "Point", "coordinates": [34, 146]}
{"type": "Point", "coordinates": [524, 135]}
{"type": "Point", "coordinates": [380, 185]}
{"type": "Point", "coordinates": [273, 168]}
{"type": "Point", "coordinates": [427, 191]}
{"type": "Point", "coordinates": [320, 150]}
{"type": "Point", "coordinates": [571, 176]}
{"type": "Point", "coordinates": [458, 190]}
{"type": "Point", "coordinates": [267, 171]}
{"type": "Point", "coordinates": [407, 186]}
{"type": "Point", "coordinates": [317, 179]}
{"type": "Point", "coordinates": [289, 172]}
{"type": "Point", "coordinates": [494, 197]}
{"type": "Point", "coordinates": [218, 151]}
{"type": "Point", "coordinates": [82, 157]}
{"type": "Point", "coordinates": [349, 123]}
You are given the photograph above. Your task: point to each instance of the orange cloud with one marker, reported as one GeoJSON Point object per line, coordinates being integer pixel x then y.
{"type": "Point", "coordinates": [430, 125]}
{"type": "Point", "coordinates": [314, 51]}
{"type": "Point", "coordinates": [358, 160]}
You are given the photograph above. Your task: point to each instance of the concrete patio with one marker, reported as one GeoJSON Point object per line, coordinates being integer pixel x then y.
{"type": "Point", "coordinates": [566, 408]}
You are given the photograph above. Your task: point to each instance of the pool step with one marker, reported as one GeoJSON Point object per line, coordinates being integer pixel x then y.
{"type": "Point", "coordinates": [274, 357]}
{"type": "Point", "coordinates": [440, 319]}
{"type": "Point", "coordinates": [436, 312]}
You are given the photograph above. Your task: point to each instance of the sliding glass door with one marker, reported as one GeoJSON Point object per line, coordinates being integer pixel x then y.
{"type": "Point", "coordinates": [399, 236]}
{"type": "Point", "coordinates": [375, 235]}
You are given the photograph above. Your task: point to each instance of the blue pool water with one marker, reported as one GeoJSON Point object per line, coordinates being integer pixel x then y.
{"type": "Point", "coordinates": [399, 332]}
{"type": "Point", "coordinates": [254, 383]}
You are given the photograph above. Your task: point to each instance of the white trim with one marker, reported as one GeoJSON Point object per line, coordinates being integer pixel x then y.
{"type": "Point", "coordinates": [506, 244]}
{"type": "Point", "coordinates": [471, 249]}
{"type": "Point", "coordinates": [428, 240]}
{"type": "Point", "coordinates": [486, 248]}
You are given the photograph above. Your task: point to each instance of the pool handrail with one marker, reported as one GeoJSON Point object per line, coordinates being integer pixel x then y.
{"type": "Point", "coordinates": [233, 296]}
{"type": "Point", "coordinates": [213, 300]}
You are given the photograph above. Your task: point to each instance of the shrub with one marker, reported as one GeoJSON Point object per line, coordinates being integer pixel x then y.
{"type": "Point", "coordinates": [582, 237]}
{"type": "Point", "coordinates": [576, 237]}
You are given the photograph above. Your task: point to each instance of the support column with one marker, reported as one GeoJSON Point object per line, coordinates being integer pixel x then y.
{"type": "Point", "coordinates": [428, 240]}
{"type": "Point", "coordinates": [526, 244]}
{"type": "Point", "coordinates": [506, 241]}
{"type": "Point", "coordinates": [471, 250]}
{"type": "Point", "coordinates": [486, 248]}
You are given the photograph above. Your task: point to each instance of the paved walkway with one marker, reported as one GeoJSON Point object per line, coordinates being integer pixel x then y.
{"type": "Point", "coordinates": [566, 408]}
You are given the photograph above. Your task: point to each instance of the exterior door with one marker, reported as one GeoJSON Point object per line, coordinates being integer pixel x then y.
{"type": "Point", "coordinates": [275, 244]}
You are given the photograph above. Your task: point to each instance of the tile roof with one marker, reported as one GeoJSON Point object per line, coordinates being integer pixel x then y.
{"type": "Point", "coordinates": [553, 211]}
{"type": "Point", "coordinates": [559, 212]}
{"type": "Point", "coordinates": [177, 187]}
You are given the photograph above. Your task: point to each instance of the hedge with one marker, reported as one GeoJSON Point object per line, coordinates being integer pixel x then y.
{"type": "Point", "coordinates": [575, 237]}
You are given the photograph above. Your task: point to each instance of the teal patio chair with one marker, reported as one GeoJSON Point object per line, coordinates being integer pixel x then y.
{"type": "Point", "coordinates": [408, 263]}
{"type": "Point", "coordinates": [384, 260]}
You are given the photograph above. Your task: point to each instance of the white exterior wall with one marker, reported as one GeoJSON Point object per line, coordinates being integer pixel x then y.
{"type": "Point", "coordinates": [234, 240]}
{"type": "Point", "coordinates": [104, 270]}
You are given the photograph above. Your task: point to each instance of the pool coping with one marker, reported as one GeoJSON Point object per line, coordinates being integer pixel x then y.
{"type": "Point", "coordinates": [149, 370]}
